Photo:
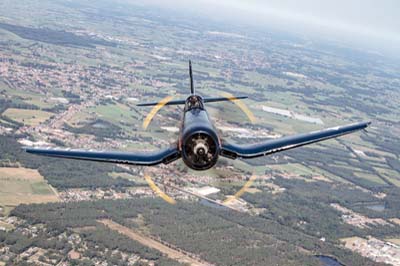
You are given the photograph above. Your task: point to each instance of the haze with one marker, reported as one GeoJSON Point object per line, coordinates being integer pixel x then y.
{"type": "Point", "coordinates": [373, 24]}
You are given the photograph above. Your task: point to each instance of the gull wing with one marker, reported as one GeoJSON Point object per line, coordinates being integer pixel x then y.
{"type": "Point", "coordinates": [234, 151]}
{"type": "Point", "coordinates": [134, 158]}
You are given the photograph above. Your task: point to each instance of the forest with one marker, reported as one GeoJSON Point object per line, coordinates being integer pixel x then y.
{"type": "Point", "coordinates": [54, 36]}
{"type": "Point", "coordinates": [218, 236]}
{"type": "Point", "coordinates": [62, 174]}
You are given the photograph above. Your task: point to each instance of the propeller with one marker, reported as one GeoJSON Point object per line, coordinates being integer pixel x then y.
{"type": "Point", "coordinates": [154, 111]}
{"type": "Point", "coordinates": [157, 190]}
{"type": "Point", "coordinates": [201, 150]}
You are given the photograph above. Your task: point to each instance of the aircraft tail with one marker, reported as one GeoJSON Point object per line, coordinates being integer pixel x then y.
{"type": "Point", "coordinates": [193, 92]}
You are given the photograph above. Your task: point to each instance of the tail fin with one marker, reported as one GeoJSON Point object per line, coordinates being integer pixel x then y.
{"type": "Point", "coordinates": [192, 91]}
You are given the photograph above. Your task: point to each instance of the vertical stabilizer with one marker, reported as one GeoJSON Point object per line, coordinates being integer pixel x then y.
{"type": "Point", "coordinates": [191, 78]}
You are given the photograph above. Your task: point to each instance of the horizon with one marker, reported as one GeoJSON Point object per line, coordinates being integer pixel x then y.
{"type": "Point", "coordinates": [376, 28]}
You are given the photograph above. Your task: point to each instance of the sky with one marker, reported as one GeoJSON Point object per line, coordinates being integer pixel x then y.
{"type": "Point", "coordinates": [375, 23]}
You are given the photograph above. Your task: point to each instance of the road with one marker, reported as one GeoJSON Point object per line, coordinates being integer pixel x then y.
{"type": "Point", "coordinates": [147, 241]}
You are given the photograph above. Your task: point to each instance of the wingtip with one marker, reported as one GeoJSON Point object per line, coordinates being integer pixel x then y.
{"type": "Point", "coordinates": [363, 124]}
{"type": "Point", "coordinates": [241, 97]}
{"type": "Point", "coordinates": [34, 149]}
{"type": "Point", "coordinates": [29, 149]}
{"type": "Point", "coordinates": [366, 123]}
{"type": "Point", "coordinates": [146, 104]}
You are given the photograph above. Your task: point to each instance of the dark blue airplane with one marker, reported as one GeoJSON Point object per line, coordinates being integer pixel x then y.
{"type": "Point", "coordinates": [199, 145]}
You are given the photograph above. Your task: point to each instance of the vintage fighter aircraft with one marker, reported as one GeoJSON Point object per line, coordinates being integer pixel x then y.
{"type": "Point", "coordinates": [199, 144]}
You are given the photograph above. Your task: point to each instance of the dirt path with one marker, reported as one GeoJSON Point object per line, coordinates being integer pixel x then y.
{"type": "Point", "coordinates": [147, 241]}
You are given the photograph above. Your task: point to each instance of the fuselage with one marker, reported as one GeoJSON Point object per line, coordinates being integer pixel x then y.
{"type": "Point", "coordinates": [198, 141]}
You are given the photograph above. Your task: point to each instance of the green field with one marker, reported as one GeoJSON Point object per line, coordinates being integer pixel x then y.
{"type": "Point", "coordinates": [22, 185]}
{"type": "Point", "coordinates": [27, 117]}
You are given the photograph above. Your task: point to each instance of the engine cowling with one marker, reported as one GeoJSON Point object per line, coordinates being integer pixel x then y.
{"type": "Point", "coordinates": [200, 151]}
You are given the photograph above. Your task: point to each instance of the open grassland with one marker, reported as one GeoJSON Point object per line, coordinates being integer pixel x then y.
{"type": "Point", "coordinates": [293, 168]}
{"type": "Point", "coordinates": [394, 240]}
{"type": "Point", "coordinates": [330, 176]}
{"type": "Point", "coordinates": [348, 241]}
{"type": "Point", "coordinates": [114, 113]}
{"type": "Point", "coordinates": [370, 177]}
{"type": "Point", "coordinates": [394, 180]}
{"type": "Point", "coordinates": [22, 185]}
{"type": "Point", "coordinates": [27, 117]}
{"type": "Point", "coordinates": [27, 97]}
{"type": "Point", "coordinates": [79, 119]}
{"type": "Point", "coordinates": [22, 174]}
{"type": "Point", "coordinates": [6, 226]}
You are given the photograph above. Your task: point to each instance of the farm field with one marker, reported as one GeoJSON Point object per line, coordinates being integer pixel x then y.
{"type": "Point", "coordinates": [22, 185]}
{"type": "Point", "coordinates": [27, 117]}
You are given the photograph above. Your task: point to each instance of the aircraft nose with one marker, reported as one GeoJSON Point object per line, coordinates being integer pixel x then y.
{"type": "Point", "coordinates": [200, 151]}
{"type": "Point", "coordinates": [200, 148]}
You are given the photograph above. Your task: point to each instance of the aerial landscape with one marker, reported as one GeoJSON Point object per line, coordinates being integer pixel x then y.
{"type": "Point", "coordinates": [72, 74]}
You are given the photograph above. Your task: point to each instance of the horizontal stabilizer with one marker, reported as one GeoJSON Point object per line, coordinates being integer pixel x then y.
{"type": "Point", "coordinates": [223, 99]}
{"type": "Point", "coordinates": [205, 100]}
{"type": "Point", "coordinates": [175, 102]}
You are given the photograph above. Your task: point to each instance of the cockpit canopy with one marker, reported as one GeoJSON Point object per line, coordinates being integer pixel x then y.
{"type": "Point", "coordinates": [194, 102]}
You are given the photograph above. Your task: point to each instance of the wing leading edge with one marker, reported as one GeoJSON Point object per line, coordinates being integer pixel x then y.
{"type": "Point", "coordinates": [234, 151]}
{"type": "Point", "coordinates": [140, 158]}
